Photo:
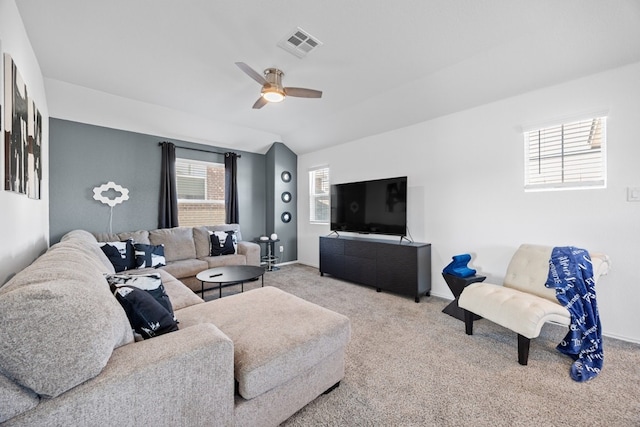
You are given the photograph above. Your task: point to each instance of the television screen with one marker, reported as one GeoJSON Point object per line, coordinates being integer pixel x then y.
{"type": "Point", "coordinates": [378, 206]}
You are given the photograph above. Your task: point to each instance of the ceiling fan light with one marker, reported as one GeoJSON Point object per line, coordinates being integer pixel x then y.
{"type": "Point", "coordinates": [273, 95]}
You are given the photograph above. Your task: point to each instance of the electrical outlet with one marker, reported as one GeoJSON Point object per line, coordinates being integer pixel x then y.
{"type": "Point", "coordinates": [281, 249]}
{"type": "Point", "coordinates": [633, 194]}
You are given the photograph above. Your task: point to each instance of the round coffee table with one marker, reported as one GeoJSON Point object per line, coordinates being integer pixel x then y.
{"type": "Point", "coordinates": [228, 276]}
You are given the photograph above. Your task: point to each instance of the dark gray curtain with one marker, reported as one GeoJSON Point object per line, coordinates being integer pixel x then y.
{"type": "Point", "coordinates": [231, 188]}
{"type": "Point", "coordinates": [168, 214]}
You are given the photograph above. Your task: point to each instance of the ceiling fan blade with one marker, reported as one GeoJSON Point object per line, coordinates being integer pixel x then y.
{"type": "Point", "coordinates": [252, 73]}
{"type": "Point", "coordinates": [302, 92]}
{"type": "Point", "coordinates": [261, 102]}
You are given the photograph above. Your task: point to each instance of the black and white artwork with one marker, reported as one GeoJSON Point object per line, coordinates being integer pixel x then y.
{"type": "Point", "coordinates": [22, 135]}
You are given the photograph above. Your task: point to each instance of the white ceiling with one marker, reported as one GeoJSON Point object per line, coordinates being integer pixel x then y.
{"type": "Point", "coordinates": [382, 65]}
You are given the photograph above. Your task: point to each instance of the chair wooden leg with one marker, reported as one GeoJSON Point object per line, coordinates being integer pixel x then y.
{"type": "Point", "coordinates": [523, 349]}
{"type": "Point", "coordinates": [468, 322]}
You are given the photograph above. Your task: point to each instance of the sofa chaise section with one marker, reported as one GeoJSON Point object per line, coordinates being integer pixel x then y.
{"type": "Point", "coordinates": [68, 355]}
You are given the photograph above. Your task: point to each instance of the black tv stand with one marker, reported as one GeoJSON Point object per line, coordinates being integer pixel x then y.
{"type": "Point", "coordinates": [403, 268]}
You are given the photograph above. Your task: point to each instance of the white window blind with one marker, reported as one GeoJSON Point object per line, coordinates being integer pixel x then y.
{"type": "Point", "coordinates": [319, 195]}
{"type": "Point", "coordinates": [191, 180]}
{"type": "Point", "coordinates": [569, 155]}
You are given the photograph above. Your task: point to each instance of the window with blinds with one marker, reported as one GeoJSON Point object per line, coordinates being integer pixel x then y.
{"type": "Point", "coordinates": [191, 180]}
{"type": "Point", "coordinates": [570, 155]}
{"type": "Point", "coordinates": [319, 195]}
{"type": "Point", "coordinates": [200, 187]}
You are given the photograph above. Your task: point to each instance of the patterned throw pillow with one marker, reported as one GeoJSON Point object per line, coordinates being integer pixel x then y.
{"type": "Point", "coordinates": [151, 283]}
{"type": "Point", "coordinates": [146, 303]}
{"type": "Point", "coordinates": [147, 317]}
{"type": "Point", "coordinates": [121, 254]}
{"type": "Point", "coordinates": [223, 243]}
{"type": "Point", "coordinates": [149, 255]}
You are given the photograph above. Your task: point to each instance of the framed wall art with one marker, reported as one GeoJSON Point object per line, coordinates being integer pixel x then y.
{"type": "Point", "coordinates": [22, 135]}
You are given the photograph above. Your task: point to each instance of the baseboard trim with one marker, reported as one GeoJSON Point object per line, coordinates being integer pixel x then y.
{"type": "Point", "coordinates": [286, 263]}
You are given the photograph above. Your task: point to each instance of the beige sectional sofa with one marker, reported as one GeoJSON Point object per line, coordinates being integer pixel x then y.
{"type": "Point", "coordinates": [68, 356]}
{"type": "Point", "coordinates": [187, 250]}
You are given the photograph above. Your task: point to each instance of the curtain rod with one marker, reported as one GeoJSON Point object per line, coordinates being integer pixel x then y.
{"type": "Point", "coordinates": [200, 149]}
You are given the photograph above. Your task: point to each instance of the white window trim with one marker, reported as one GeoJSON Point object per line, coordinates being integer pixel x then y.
{"type": "Point", "coordinates": [312, 195]}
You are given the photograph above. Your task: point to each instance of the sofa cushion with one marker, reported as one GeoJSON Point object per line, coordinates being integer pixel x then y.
{"type": "Point", "coordinates": [15, 399]}
{"type": "Point", "coordinates": [202, 241]}
{"type": "Point", "coordinates": [79, 235]}
{"type": "Point", "coordinates": [178, 242]}
{"type": "Point", "coordinates": [50, 326]}
{"type": "Point", "coordinates": [221, 261]}
{"type": "Point", "coordinates": [179, 294]}
{"type": "Point", "coordinates": [276, 335]}
{"type": "Point", "coordinates": [63, 262]}
{"type": "Point", "coordinates": [86, 252]}
{"type": "Point", "coordinates": [186, 267]}
{"type": "Point", "coordinates": [140, 236]}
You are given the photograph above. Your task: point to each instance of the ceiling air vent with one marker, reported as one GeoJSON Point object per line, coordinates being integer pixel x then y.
{"type": "Point", "coordinates": [299, 42]}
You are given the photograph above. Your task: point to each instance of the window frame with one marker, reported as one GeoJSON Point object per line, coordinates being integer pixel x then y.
{"type": "Point", "coordinates": [313, 196]}
{"type": "Point", "coordinates": [562, 183]}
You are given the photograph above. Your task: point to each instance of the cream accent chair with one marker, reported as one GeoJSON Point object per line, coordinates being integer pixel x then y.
{"type": "Point", "coordinates": [523, 303]}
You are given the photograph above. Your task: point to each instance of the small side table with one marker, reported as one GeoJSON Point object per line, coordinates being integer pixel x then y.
{"type": "Point", "coordinates": [457, 285]}
{"type": "Point", "coordinates": [269, 260]}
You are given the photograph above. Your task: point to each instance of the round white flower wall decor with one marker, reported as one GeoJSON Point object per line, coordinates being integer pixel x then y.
{"type": "Point", "coordinates": [97, 194]}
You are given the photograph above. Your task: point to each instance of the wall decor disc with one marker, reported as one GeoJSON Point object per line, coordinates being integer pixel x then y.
{"type": "Point", "coordinates": [286, 176]}
{"type": "Point", "coordinates": [286, 197]}
{"type": "Point", "coordinates": [285, 217]}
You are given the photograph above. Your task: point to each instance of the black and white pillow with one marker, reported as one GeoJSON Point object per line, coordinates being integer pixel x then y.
{"type": "Point", "coordinates": [121, 254]}
{"type": "Point", "coordinates": [150, 283]}
{"type": "Point", "coordinates": [223, 243]}
{"type": "Point", "coordinates": [146, 315]}
{"type": "Point", "coordinates": [149, 255]}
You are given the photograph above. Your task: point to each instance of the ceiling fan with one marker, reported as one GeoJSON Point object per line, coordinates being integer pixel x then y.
{"type": "Point", "coordinates": [272, 89]}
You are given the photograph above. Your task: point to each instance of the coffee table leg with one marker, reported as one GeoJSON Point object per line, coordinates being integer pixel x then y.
{"type": "Point", "coordinates": [202, 289]}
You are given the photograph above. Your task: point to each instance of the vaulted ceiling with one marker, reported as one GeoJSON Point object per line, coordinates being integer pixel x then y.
{"type": "Point", "coordinates": [381, 65]}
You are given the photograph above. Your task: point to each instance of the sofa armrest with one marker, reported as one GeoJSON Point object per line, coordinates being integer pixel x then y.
{"type": "Point", "coordinates": [184, 377]}
{"type": "Point", "coordinates": [251, 251]}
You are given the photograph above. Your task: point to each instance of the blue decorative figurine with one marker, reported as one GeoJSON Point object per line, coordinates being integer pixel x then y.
{"type": "Point", "coordinates": [458, 267]}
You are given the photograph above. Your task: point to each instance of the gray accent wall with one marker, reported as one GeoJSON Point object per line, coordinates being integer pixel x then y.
{"type": "Point", "coordinates": [85, 156]}
{"type": "Point", "coordinates": [279, 159]}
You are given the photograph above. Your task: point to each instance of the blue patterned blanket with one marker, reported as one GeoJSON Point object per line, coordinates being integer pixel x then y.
{"type": "Point", "coordinates": [571, 274]}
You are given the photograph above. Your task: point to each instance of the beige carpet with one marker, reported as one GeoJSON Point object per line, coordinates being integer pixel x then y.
{"type": "Point", "coordinates": [410, 364]}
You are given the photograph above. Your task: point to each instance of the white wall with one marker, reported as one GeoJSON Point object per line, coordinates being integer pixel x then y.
{"type": "Point", "coordinates": [465, 174]}
{"type": "Point", "coordinates": [24, 223]}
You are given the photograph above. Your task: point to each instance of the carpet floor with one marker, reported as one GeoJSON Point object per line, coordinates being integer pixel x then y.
{"type": "Point", "coordinates": [409, 364]}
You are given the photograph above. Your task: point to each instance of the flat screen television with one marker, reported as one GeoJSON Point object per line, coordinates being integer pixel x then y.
{"type": "Point", "coordinates": [376, 206]}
